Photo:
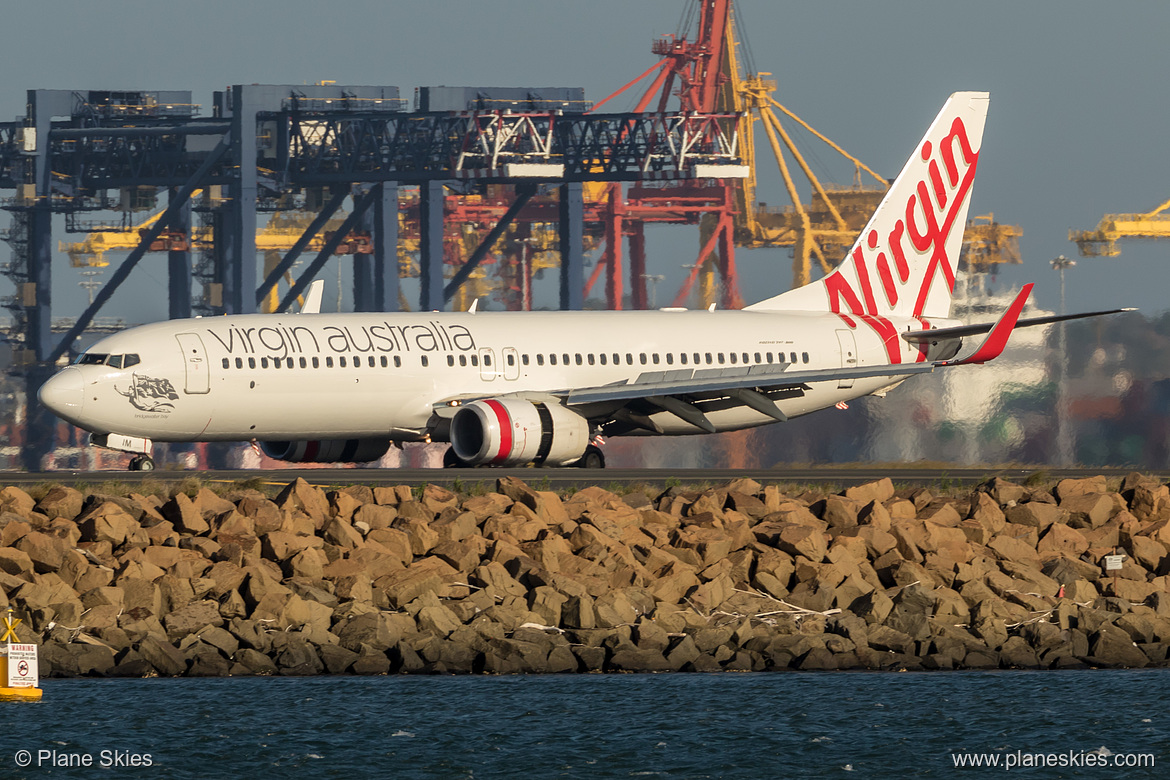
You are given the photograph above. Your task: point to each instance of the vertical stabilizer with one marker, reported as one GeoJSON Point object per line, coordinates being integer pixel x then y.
{"type": "Point", "coordinates": [903, 264]}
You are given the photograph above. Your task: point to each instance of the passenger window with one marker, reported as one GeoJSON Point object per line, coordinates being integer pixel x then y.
{"type": "Point", "coordinates": [341, 361]}
{"type": "Point", "coordinates": [601, 357]}
{"type": "Point", "coordinates": [682, 358]}
{"type": "Point", "coordinates": [304, 363]}
{"type": "Point", "coordinates": [487, 359]}
{"type": "Point", "coordinates": [263, 362]}
{"type": "Point", "coordinates": [758, 358]}
{"type": "Point", "coordinates": [745, 357]}
{"type": "Point", "coordinates": [792, 358]}
{"type": "Point", "coordinates": [589, 357]}
{"type": "Point", "coordinates": [768, 356]}
{"type": "Point", "coordinates": [239, 362]}
{"type": "Point", "coordinates": [451, 360]}
{"type": "Point", "coordinates": [669, 359]}
{"type": "Point", "coordinates": [617, 359]}
{"type": "Point", "coordinates": [384, 361]}
{"type": "Point", "coordinates": [424, 361]}
{"type": "Point", "coordinates": [289, 363]}
{"type": "Point", "coordinates": [511, 359]}
{"type": "Point", "coordinates": [475, 360]}
{"type": "Point", "coordinates": [329, 362]}
{"type": "Point", "coordinates": [708, 356]}
{"type": "Point", "coordinates": [130, 360]}
{"type": "Point", "coordinates": [251, 362]}
{"type": "Point", "coordinates": [317, 363]}
{"type": "Point", "coordinates": [732, 356]}
{"type": "Point", "coordinates": [227, 363]}
{"type": "Point", "coordinates": [539, 359]}
{"type": "Point", "coordinates": [524, 359]}
{"type": "Point", "coordinates": [805, 356]}
{"type": "Point", "coordinates": [578, 356]}
{"type": "Point", "coordinates": [719, 356]}
{"type": "Point", "coordinates": [654, 358]}
{"type": "Point", "coordinates": [114, 361]}
{"type": "Point", "coordinates": [565, 358]}
{"type": "Point", "coordinates": [357, 361]}
{"type": "Point", "coordinates": [463, 360]}
{"type": "Point", "coordinates": [552, 359]}
{"type": "Point", "coordinates": [370, 359]}
{"type": "Point", "coordinates": [397, 362]}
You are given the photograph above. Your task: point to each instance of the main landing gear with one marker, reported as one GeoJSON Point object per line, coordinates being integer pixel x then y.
{"type": "Point", "coordinates": [592, 459]}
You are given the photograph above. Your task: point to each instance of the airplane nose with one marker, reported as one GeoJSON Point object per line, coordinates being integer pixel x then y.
{"type": "Point", "coordinates": [63, 393]}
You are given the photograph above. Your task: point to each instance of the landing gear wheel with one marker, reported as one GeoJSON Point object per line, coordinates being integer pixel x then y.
{"type": "Point", "coordinates": [592, 459]}
{"type": "Point", "coordinates": [141, 463]}
{"type": "Point", "coordinates": [453, 461]}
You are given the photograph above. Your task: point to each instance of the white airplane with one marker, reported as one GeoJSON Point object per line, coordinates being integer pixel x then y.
{"type": "Point", "coordinates": [509, 388]}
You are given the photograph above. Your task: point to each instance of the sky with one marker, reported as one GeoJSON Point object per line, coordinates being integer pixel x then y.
{"type": "Point", "coordinates": [1076, 126]}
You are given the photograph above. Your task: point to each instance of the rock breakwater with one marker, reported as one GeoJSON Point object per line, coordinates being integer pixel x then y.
{"type": "Point", "coordinates": [740, 577]}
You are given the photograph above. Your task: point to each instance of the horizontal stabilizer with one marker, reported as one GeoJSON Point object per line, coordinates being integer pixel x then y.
{"type": "Point", "coordinates": [942, 334]}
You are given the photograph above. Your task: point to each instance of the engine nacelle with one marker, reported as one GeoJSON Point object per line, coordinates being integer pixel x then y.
{"type": "Point", "coordinates": [512, 432]}
{"type": "Point", "coordinates": [328, 451]}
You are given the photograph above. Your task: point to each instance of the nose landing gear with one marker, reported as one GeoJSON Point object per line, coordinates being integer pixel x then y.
{"type": "Point", "coordinates": [141, 463]}
{"type": "Point", "coordinates": [137, 445]}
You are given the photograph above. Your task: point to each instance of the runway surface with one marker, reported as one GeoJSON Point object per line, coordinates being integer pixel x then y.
{"type": "Point", "coordinates": [565, 478]}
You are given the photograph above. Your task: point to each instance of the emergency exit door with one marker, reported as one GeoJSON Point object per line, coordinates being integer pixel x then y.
{"type": "Point", "coordinates": [848, 344]}
{"type": "Point", "coordinates": [195, 363]}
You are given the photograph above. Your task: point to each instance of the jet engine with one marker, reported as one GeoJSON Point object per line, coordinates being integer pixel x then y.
{"type": "Point", "coordinates": [512, 432]}
{"type": "Point", "coordinates": [328, 451]}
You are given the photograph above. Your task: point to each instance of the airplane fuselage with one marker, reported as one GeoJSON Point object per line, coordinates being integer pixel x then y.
{"type": "Point", "coordinates": [291, 377]}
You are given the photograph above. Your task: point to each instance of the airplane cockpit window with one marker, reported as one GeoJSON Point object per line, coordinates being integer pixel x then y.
{"type": "Point", "coordinates": [90, 359]}
{"type": "Point", "coordinates": [130, 360]}
{"type": "Point", "coordinates": [114, 361]}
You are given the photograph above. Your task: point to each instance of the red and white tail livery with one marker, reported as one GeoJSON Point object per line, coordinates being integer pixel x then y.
{"type": "Point", "coordinates": [903, 263]}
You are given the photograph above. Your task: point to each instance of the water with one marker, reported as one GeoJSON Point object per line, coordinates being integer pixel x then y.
{"type": "Point", "coordinates": [854, 725]}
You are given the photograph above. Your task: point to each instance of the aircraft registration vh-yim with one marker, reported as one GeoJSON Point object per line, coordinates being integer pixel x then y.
{"type": "Point", "coordinates": [512, 388]}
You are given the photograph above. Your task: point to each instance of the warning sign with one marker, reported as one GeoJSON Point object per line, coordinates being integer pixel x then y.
{"type": "Point", "coordinates": [22, 666]}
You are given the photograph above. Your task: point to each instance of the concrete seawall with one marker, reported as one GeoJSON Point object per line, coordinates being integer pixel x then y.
{"type": "Point", "coordinates": [739, 577]}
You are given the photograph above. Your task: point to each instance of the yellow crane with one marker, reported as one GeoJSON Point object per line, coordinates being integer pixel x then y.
{"type": "Point", "coordinates": [826, 226]}
{"type": "Point", "coordinates": [1102, 242]}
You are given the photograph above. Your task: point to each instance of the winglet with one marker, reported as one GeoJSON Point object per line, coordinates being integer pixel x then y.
{"type": "Point", "coordinates": [997, 338]}
{"type": "Point", "coordinates": [312, 304]}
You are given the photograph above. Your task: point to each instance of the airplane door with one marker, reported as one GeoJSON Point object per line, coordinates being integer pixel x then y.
{"type": "Point", "coordinates": [848, 346]}
{"type": "Point", "coordinates": [487, 364]}
{"type": "Point", "coordinates": [511, 363]}
{"type": "Point", "coordinates": [195, 362]}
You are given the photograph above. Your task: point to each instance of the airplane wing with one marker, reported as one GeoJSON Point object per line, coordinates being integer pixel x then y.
{"type": "Point", "coordinates": [689, 393]}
